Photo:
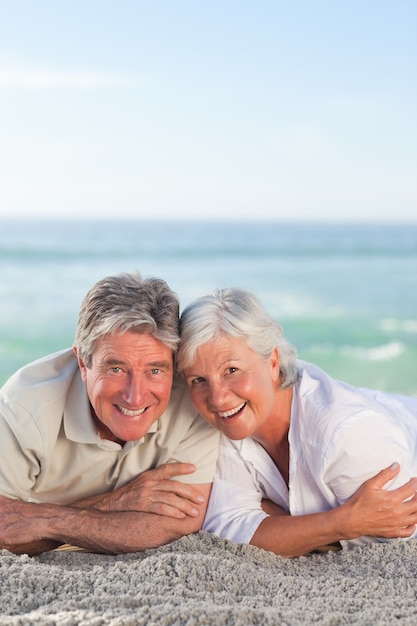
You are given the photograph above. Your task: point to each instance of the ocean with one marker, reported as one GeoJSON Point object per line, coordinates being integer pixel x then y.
{"type": "Point", "coordinates": [346, 294]}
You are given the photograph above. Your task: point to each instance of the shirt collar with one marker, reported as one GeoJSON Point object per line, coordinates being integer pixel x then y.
{"type": "Point", "coordinates": [78, 422]}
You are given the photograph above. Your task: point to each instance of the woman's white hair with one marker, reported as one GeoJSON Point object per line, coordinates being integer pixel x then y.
{"type": "Point", "coordinates": [234, 312]}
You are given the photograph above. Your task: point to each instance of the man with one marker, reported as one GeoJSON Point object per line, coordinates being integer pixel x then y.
{"type": "Point", "coordinates": [99, 445]}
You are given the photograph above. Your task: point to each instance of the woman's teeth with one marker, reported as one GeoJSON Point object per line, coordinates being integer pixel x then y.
{"type": "Point", "coordinates": [232, 412]}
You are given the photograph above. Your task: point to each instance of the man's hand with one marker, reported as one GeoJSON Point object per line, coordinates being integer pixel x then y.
{"type": "Point", "coordinates": [148, 512]}
{"type": "Point", "coordinates": [14, 529]}
{"type": "Point", "coordinates": [153, 491]}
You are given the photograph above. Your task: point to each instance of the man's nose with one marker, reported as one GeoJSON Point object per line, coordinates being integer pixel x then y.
{"type": "Point", "coordinates": [135, 390]}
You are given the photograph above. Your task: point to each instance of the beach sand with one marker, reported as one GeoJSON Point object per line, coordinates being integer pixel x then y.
{"type": "Point", "coordinates": [201, 579]}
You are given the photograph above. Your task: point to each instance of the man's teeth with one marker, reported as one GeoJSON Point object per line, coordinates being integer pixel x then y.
{"type": "Point", "coordinates": [128, 412]}
{"type": "Point", "coordinates": [232, 411]}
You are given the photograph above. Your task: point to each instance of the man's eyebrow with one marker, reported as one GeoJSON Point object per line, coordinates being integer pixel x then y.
{"type": "Point", "coordinates": [160, 364]}
{"type": "Point", "coordinates": [113, 362]}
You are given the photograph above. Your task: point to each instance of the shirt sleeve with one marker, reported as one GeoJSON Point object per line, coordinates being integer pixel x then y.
{"type": "Point", "coordinates": [199, 446]}
{"type": "Point", "coordinates": [362, 446]}
{"type": "Point", "coordinates": [20, 459]}
{"type": "Point", "coordinates": [234, 511]}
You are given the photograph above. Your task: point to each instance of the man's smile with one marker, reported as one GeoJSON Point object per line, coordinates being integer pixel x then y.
{"type": "Point", "coordinates": [129, 412]}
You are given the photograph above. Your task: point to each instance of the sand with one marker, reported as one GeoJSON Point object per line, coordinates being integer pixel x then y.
{"type": "Point", "coordinates": [204, 580]}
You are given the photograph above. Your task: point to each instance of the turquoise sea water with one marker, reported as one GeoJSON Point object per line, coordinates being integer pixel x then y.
{"type": "Point", "coordinates": [346, 295]}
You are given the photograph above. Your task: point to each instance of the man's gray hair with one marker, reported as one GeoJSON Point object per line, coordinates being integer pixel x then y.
{"type": "Point", "coordinates": [127, 303]}
{"type": "Point", "coordinates": [234, 312]}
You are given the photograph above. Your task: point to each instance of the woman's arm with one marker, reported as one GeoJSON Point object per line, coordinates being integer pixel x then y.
{"type": "Point", "coordinates": [370, 511]}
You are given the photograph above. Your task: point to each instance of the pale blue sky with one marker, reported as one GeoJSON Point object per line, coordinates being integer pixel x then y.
{"type": "Point", "coordinates": [302, 109]}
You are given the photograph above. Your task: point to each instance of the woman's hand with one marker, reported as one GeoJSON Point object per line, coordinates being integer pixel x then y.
{"type": "Point", "coordinates": [377, 512]}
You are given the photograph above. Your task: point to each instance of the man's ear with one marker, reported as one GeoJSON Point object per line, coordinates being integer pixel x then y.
{"type": "Point", "coordinates": [81, 365]}
{"type": "Point", "coordinates": [275, 364]}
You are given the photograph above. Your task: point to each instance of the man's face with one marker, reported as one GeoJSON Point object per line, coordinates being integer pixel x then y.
{"type": "Point", "coordinates": [129, 384]}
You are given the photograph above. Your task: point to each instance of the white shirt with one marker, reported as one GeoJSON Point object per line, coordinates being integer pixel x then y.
{"type": "Point", "coordinates": [339, 437]}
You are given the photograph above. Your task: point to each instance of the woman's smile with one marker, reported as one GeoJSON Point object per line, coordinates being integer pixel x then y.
{"type": "Point", "coordinates": [227, 415]}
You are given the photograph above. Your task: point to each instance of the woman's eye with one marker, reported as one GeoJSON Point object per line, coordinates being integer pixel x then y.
{"type": "Point", "coordinates": [231, 370]}
{"type": "Point", "coordinates": [196, 381]}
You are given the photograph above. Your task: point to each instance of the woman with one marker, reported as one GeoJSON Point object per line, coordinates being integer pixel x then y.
{"type": "Point", "coordinates": [293, 439]}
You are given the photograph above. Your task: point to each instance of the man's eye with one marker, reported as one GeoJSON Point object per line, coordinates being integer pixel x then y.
{"type": "Point", "coordinates": [115, 370]}
{"type": "Point", "coordinates": [231, 370]}
{"type": "Point", "coordinates": [156, 370]}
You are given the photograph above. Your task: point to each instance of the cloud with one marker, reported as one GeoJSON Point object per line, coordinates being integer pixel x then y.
{"type": "Point", "coordinates": [51, 79]}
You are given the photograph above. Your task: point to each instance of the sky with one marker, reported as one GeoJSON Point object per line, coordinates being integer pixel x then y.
{"type": "Point", "coordinates": [216, 109]}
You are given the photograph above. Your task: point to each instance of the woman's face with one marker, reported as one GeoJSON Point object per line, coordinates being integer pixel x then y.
{"type": "Point", "coordinates": [233, 387]}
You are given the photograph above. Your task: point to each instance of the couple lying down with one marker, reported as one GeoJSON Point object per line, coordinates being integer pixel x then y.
{"type": "Point", "coordinates": [102, 449]}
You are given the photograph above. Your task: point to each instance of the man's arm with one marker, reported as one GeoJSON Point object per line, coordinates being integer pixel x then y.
{"type": "Point", "coordinates": [150, 511]}
{"type": "Point", "coordinates": [370, 511]}
{"type": "Point", "coordinates": [110, 533]}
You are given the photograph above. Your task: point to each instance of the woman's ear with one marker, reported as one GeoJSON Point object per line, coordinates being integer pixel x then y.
{"type": "Point", "coordinates": [275, 364]}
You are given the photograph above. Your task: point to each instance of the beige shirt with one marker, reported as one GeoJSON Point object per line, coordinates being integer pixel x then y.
{"type": "Point", "coordinates": [50, 450]}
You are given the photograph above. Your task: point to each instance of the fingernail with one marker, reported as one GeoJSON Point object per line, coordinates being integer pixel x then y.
{"type": "Point", "coordinates": [395, 466]}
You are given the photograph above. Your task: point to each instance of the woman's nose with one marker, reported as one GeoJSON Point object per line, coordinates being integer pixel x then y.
{"type": "Point", "coordinates": [217, 393]}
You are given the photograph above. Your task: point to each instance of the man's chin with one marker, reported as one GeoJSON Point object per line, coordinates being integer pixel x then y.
{"type": "Point", "coordinates": [134, 429]}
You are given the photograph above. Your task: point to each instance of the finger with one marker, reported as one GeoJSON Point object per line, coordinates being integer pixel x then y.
{"type": "Point", "coordinates": [174, 506]}
{"type": "Point", "coordinates": [409, 508]}
{"type": "Point", "coordinates": [169, 511]}
{"type": "Point", "coordinates": [182, 490]}
{"type": "Point", "coordinates": [406, 491]}
{"type": "Point", "coordinates": [169, 470]}
{"type": "Point", "coordinates": [406, 531]}
{"type": "Point", "coordinates": [384, 476]}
